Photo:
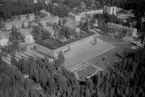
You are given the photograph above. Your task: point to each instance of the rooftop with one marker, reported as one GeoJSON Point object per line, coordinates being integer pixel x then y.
{"type": "Point", "coordinates": [25, 32]}
{"type": "Point", "coordinates": [70, 25]}
{"type": "Point", "coordinates": [4, 34]}
{"type": "Point", "coordinates": [44, 11]}
{"type": "Point", "coordinates": [48, 29]}
{"type": "Point", "coordinates": [121, 26]}
{"type": "Point", "coordinates": [54, 44]}
{"type": "Point", "coordinates": [20, 21]}
{"type": "Point", "coordinates": [49, 18]}
{"type": "Point", "coordinates": [16, 22]}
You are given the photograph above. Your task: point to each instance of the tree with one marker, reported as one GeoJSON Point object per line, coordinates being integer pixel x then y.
{"type": "Point", "coordinates": [1, 24]}
{"type": "Point", "coordinates": [15, 38]}
{"type": "Point", "coordinates": [61, 58]}
{"type": "Point", "coordinates": [37, 33]}
{"type": "Point", "coordinates": [13, 58]}
{"type": "Point", "coordinates": [15, 35]}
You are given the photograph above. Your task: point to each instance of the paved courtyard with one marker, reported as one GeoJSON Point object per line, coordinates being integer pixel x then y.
{"type": "Point", "coordinates": [85, 53]}
{"type": "Point", "coordinates": [102, 55]}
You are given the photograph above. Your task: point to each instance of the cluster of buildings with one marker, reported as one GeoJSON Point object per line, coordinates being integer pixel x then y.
{"type": "Point", "coordinates": [25, 24]}
{"type": "Point", "coordinates": [111, 10]}
{"type": "Point", "coordinates": [53, 46]}
{"type": "Point", "coordinates": [19, 22]}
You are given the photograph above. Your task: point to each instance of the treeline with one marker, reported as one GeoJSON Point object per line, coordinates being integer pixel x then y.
{"type": "Point", "coordinates": [15, 8]}
{"type": "Point", "coordinates": [11, 8]}
{"type": "Point", "coordinates": [125, 78]}
{"type": "Point", "coordinates": [13, 84]}
{"type": "Point", "coordinates": [45, 79]}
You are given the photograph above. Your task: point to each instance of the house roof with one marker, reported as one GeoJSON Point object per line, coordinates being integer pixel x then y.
{"type": "Point", "coordinates": [72, 14]}
{"type": "Point", "coordinates": [49, 18]}
{"type": "Point", "coordinates": [25, 32]}
{"type": "Point", "coordinates": [48, 29]}
{"type": "Point", "coordinates": [4, 34]}
{"type": "Point", "coordinates": [19, 21]}
{"type": "Point", "coordinates": [44, 11]}
{"type": "Point", "coordinates": [70, 25]}
{"type": "Point", "coordinates": [16, 22]}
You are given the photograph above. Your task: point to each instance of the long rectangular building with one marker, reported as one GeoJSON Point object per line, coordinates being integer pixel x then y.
{"type": "Point", "coordinates": [42, 47]}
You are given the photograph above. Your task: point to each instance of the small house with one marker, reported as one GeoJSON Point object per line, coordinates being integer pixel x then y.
{"type": "Point", "coordinates": [28, 38]}
{"type": "Point", "coordinates": [4, 38]}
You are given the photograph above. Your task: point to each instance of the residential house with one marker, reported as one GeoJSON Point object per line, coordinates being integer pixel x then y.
{"type": "Point", "coordinates": [35, 1]}
{"type": "Point", "coordinates": [31, 17]}
{"type": "Point", "coordinates": [70, 25]}
{"type": "Point", "coordinates": [111, 10]}
{"type": "Point", "coordinates": [91, 12]}
{"type": "Point", "coordinates": [50, 30]}
{"type": "Point", "coordinates": [49, 20]}
{"type": "Point", "coordinates": [28, 38]}
{"type": "Point", "coordinates": [4, 38]}
{"type": "Point", "coordinates": [78, 16]}
{"type": "Point", "coordinates": [74, 16]}
{"type": "Point", "coordinates": [48, 1]}
{"type": "Point", "coordinates": [19, 23]}
{"type": "Point", "coordinates": [23, 17]}
{"type": "Point", "coordinates": [44, 13]}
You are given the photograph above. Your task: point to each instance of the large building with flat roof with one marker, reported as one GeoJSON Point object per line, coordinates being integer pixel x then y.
{"type": "Point", "coordinates": [52, 47]}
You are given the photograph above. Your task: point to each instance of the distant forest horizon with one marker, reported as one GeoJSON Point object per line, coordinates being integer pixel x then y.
{"type": "Point", "coordinates": [11, 8]}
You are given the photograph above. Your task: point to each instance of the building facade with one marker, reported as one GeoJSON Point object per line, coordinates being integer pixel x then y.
{"type": "Point", "coordinates": [111, 10]}
{"type": "Point", "coordinates": [65, 49]}
{"type": "Point", "coordinates": [23, 22]}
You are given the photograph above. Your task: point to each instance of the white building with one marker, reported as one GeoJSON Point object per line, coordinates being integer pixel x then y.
{"type": "Point", "coordinates": [4, 38]}
{"type": "Point", "coordinates": [45, 12]}
{"type": "Point", "coordinates": [18, 23]}
{"type": "Point", "coordinates": [31, 17]}
{"type": "Point", "coordinates": [77, 16]}
{"type": "Point", "coordinates": [50, 30]}
{"type": "Point", "coordinates": [110, 10]}
{"type": "Point", "coordinates": [35, 1]}
{"type": "Point", "coordinates": [49, 20]}
{"type": "Point", "coordinates": [91, 12]}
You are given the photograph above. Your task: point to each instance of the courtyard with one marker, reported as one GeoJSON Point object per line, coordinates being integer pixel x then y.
{"type": "Point", "coordinates": [102, 55]}
{"type": "Point", "coordinates": [86, 52]}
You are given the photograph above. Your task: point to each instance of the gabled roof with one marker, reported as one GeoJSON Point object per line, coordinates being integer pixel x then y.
{"type": "Point", "coordinates": [70, 25]}
{"type": "Point", "coordinates": [44, 12]}
{"type": "Point", "coordinates": [49, 18]}
{"type": "Point", "coordinates": [25, 32]}
{"type": "Point", "coordinates": [4, 34]}
{"type": "Point", "coordinates": [48, 29]}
